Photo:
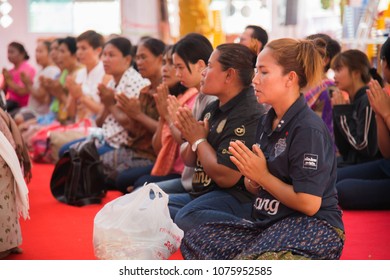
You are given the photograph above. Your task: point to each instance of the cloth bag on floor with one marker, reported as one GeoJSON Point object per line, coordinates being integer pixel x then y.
{"type": "Point", "coordinates": [136, 226]}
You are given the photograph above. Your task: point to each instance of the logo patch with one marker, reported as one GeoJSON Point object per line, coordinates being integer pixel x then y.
{"type": "Point", "coordinates": [310, 161]}
{"type": "Point", "coordinates": [221, 125]}
{"type": "Point", "coordinates": [207, 116]}
{"type": "Point", "coordinates": [280, 146]}
{"type": "Point", "coordinates": [240, 131]}
{"type": "Point", "coordinates": [226, 151]}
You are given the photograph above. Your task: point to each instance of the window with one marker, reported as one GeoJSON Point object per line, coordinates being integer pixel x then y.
{"type": "Point", "coordinates": [74, 16]}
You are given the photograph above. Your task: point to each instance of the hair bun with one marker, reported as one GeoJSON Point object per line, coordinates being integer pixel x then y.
{"type": "Point", "coordinates": [320, 45]}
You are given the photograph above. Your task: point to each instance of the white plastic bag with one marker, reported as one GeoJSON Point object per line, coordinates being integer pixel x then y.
{"type": "Point", "coordinates": [136, 226]}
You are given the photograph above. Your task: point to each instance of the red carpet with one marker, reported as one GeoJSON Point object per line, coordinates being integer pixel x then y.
{"type": "Point", "coordinates": [58, 231]}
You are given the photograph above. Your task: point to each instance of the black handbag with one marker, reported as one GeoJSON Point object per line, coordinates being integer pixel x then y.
{"type": "Point", "coordinates": [78, 177]}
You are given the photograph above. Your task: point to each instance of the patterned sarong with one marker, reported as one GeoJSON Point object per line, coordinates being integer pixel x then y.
{"type": "Point", "coordinates": [299, 237]}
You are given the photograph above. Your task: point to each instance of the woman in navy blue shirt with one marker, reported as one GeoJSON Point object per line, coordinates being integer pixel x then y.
{"type": "Point", "coordinates": [291, 170]}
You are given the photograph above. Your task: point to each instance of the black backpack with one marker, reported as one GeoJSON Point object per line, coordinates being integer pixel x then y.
{"type": "Point", "coordinates": [78, 177]}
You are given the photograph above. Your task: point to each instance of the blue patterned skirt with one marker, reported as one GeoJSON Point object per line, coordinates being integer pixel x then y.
{"type": "Point", "coordinates": [299, 237]}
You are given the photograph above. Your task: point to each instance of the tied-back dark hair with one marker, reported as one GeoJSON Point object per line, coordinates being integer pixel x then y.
{"type": "Point", "coordinates": [122, 44]}
{"type": "Point", "coordinates": [178, 88]}
{"type": "Point", "coordinates": [332, 47]}
{"type": "Point", "coordinates": [239, 58]}
{"type": "Point", "coordinates": [376, 76]}
{"type": "Point", "coordinates": [20, 49]}
{"type": "Point", "coordinates": [356, 60]}
{"type": "Point", "coordinates": [70, 42]}
{"type": "Point", "coordinates": [94, 39]}
{"type": "Point", "coordinates": [155, 46]}
{"type": "Point", "coordinates": [259, 34]}
{"type": "Point", "coordinates": [385, 52]}
{"type": "Point", "coordinates": [192, 48]}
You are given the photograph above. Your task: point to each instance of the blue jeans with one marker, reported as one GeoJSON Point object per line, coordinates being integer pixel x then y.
{"type": "Point", "coordinates": [177, 201]}
{"type": "Point", "coordinates": [138, 176]}
{"type": "Point", "coordinates": [364, 186]}
{"type": "Point", "coordinates": [172, 186]}
{"type": "Point", "coordinates": [154, 179]}
{"type": "Point", "coordinates": [217, 205]}
{"type": "Point", "coordinates": [129, 176]}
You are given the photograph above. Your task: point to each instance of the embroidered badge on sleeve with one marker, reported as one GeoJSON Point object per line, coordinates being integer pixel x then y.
{"type": "Point", "coordinates": [310, 161]}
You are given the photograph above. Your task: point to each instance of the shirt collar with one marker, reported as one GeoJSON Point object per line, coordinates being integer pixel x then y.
{"type": "Point", "coordinates": [236, 99]}
{"type": "Point", "coordinates": [360, 92]}
{"type": "Point", "coordinates": [294, 109]}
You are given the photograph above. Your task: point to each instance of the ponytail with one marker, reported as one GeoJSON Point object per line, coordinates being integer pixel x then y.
{"type": "Point", "coordinates": [375, 75]}
{"type": "Point", "coordinates": [304, 57]}
{"type": "Point", "coordinates": [311, 54]}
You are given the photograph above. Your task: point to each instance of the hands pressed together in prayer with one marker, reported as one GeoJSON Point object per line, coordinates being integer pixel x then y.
{"type": "Point", "coordinates": [74, 88]}
{"type": "Point", "coordinates": [190, 128]}
{"type": "Point", "coordinates": [251, 164]}
{"type": "Point", "coordinates": [107, 95]}
{"type": "Point", "coordinates": [7, 76]}
{"type": "Point", "coordinates": [160, 97]}
{"type": "Point", "coordinates": [379, 99]}
{"type": "Point", "coordinates": [338, 98]}
{"type": "Point", "coordinates": [52, 86]}
{"type": "Point", "coordinates": [131, 106]}
{"type": "Point", "coordinates": [26, 80]}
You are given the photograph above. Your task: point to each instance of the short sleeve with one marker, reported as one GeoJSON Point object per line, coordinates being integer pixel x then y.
{"type": "Point", "coordinates": [311, 160]}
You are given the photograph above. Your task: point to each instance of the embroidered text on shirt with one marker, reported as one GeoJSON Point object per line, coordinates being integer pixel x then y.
{"type": "Point", "coordinates": [310, 161]}
{"type": "Point", "coordinates": [271, 206]}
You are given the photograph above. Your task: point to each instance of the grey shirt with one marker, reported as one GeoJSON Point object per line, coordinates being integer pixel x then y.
{"type": "Point", "coordinates": [201, 102]}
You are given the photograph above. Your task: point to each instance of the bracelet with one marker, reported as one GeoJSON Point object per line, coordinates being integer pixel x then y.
{"type": "Point", "coordinates": [194, 146]}
{"type": "Point", "coordinates": [252, 185]}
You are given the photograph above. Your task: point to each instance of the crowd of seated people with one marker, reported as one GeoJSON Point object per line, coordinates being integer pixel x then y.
{"type": "Point", "coordinates": [275, 150]}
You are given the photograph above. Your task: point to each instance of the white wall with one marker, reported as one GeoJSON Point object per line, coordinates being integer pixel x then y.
{"type": "Point", "coordinates": [139, 17]}
{"type": "Point", "coordinates": [17, 31]}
